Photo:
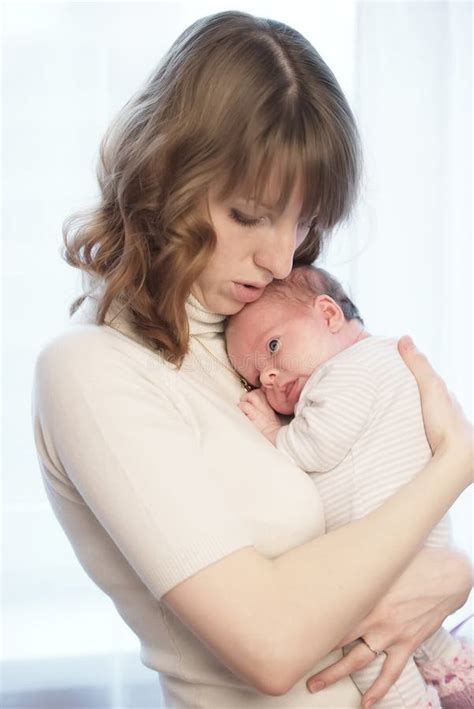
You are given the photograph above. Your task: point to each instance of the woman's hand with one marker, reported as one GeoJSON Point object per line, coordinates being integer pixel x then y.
{"type": "Point", "coordinates": [435, 584]}
{"type": "Point", "coordinates": [447, 428]}
{"type": "Point", "coordinates": [438, 581]}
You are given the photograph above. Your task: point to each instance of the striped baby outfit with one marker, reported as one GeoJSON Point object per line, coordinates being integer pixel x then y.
{"type": "Point", "coordinates": [358, 431]}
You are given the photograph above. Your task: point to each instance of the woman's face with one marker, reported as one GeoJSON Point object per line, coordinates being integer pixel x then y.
{"type": "Point", "coordinates": [255, 244]}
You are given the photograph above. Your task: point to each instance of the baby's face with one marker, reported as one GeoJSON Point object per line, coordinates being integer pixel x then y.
{"type": "Point", "coordinates": [278, 345]}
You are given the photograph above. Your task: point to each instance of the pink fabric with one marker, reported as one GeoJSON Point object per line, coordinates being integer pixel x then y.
{"type": "Point", "coordinates": [430, 701]}
{"type": "Point", "coordinates": [453, 677]}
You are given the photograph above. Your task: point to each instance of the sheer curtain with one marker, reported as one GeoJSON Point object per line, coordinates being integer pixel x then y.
{"type": "Point", "coordinates": [411, 246]}
{"type": "Point", "coordinates": [68, 67]}
{"type": "Point", "coordinates": [407, 255]}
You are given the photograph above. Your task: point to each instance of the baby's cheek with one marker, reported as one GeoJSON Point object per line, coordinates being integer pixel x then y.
{"type": "Point", "coordinates": [277, 402]}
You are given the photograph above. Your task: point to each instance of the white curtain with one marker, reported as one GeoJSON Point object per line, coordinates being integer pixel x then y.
{"type": "Point", "coordinates": [406, 255]}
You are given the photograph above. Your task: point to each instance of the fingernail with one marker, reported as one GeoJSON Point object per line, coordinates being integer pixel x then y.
{"type": "Point", "coordinates": [316, 686]}
{"type": "Point", "coordinates": [368, 703]}
{"type": "Point", "coordinates": [409, 344]}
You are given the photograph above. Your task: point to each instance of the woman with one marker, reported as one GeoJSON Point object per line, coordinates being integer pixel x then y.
{"type": "Point", "coordinates": [209, 543]}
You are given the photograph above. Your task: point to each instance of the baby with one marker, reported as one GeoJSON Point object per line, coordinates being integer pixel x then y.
{"type": "Point", "coordinates": [357, 429]}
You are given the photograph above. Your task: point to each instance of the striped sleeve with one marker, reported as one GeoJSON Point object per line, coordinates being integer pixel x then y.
{"type": "Point", "coordinates": [334, 412]}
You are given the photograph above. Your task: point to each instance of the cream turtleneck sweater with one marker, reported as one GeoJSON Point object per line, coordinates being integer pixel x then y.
{"type": "Point", "coordinates": [154, 473]}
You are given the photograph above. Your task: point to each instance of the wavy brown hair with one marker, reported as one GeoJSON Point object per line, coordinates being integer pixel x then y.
{"type": "Point", "coordinates": [234, 98]}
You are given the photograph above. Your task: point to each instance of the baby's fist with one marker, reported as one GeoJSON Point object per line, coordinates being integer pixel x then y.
{"type": "Point", "coordinates": [255, 406]}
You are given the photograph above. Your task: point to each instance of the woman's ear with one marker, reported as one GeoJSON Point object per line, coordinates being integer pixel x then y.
{"type": "Point", "coordinates": [330, 311]}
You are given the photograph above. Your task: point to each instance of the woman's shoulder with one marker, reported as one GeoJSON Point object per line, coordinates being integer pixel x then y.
{"type": "Point", "coordinates": [88, 352]}
{"type": "Point", "coordinates": [87, 340]}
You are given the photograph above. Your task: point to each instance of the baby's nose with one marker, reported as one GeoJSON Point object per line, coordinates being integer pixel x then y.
{"type": "Point", "coordinates": [268, 376]}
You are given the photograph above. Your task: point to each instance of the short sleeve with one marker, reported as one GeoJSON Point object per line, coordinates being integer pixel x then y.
{"type": "Point", "coordinates": [108, 432]}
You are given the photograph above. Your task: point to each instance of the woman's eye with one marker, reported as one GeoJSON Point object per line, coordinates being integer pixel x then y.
{"type": "Point", "coordinates": [273, 345]}
{"type": "Point", "coordinates": [243, 221]}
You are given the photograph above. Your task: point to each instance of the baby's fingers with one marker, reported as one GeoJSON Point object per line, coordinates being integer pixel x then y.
{"type": "Point", "coordinates": [252, 396]}
{"type": "Point", "coordinates": [258, 399]}
{"type": "Point", "coordinates": [248, 408]}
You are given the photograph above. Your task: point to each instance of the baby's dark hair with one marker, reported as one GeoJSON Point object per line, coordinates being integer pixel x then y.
{"type": "Point", "coordinates": [305, 282]}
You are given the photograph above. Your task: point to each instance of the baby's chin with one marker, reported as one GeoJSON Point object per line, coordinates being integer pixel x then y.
{"type": "Point", "coordinates": [287, 410]}
{"type": "Point", "coordinates": [284, 408]}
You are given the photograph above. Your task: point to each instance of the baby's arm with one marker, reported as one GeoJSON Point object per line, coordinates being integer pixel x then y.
{"type": "Point", "coordinates": [255, 406]}
{"type": "Point", "coordinates": [336, 409]}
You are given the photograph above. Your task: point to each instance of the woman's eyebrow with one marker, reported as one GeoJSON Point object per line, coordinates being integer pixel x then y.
{"type": "Point", "coordinates": [252, 202]}
{"type": "Point", "coordinates": [270, 207]}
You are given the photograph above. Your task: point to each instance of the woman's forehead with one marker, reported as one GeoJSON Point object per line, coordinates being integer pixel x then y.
{"type": "Point", "coordinates": [274, 188]}
{"type": "Point", "coordinates": [271, 198]}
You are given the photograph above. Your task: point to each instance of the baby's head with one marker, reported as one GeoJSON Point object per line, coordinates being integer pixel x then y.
{"type": "Point", "coordinates": [296, 325]}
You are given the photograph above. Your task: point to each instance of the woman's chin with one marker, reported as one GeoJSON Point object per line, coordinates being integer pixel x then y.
{"type": "Point", "coordinates": [221, 304]}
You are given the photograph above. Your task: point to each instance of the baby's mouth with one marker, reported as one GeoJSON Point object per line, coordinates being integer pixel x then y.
{"type": "Point", "coordinates": [290, 387]}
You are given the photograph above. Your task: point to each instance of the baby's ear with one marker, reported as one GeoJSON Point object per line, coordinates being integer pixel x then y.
{"type": "Point", "coordinates": [330, 311]}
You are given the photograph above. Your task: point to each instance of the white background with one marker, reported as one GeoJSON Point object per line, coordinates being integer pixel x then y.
{"type": "Point", "coordinates": [406, 256]}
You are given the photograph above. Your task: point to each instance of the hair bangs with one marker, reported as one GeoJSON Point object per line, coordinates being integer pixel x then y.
{"type": "Point", "coordinates": [302, 152]}
{"type": "Point", "coordinates": [268, 172]}
{"type": "Point", "coordinates": [263, 119]}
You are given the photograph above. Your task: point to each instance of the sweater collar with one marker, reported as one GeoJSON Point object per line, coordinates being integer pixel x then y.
{"type": "Point", "coordinates": [202, 321]}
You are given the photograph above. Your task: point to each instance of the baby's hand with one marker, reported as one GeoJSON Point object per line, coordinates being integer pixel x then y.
{"type": "Point", "coordinates": [255, 406]}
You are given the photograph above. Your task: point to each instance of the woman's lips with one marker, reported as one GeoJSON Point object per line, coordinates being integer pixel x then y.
{"type": "Point", "coordinates": [246, 294]}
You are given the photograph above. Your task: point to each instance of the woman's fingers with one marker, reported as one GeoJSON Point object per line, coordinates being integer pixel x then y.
{"type": "Point", "coordinates": [446, 425]}
{"type": "Point", "coordinates": [392, 668]}
{"type": "Point", "coordinates": [435, 399]}
{"type": "Point", "coordinates": [358, 657]}
{"type": "Point", "coordinates": [416, 361]}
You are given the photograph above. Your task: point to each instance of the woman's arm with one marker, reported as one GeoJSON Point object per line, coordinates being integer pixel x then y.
{"type": "Point", "coordinates": [292, 610]}
{"type": "Point", "coordinates": [435, 584]}
{"type": "Point", "coordinates": [107, 427]}
{"type": "Point", "coordinates": [438, 581]}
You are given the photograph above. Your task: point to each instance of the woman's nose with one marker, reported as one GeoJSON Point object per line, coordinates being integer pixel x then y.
{"type": "Point", "coordinates": [268, 376]}
{"type": "Point", "coordinates": [276, 255]}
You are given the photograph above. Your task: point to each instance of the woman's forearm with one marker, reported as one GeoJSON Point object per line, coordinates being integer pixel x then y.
{"type": "Point", "coordinates": [327, 586]}
{"type": "Point", "coordinates": [271, 620]}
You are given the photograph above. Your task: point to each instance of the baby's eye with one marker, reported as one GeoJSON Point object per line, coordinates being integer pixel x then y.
{"type": "Point", "coordinates": [273, 345]}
